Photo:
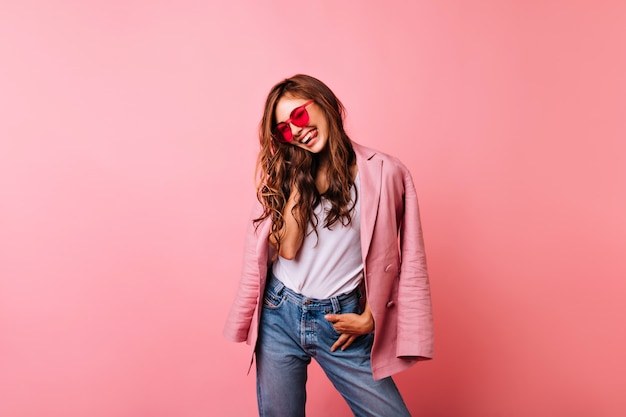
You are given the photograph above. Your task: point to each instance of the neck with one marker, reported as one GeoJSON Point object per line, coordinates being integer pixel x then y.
{"type": "Point", "coordinates": [323, 159]}
{"type": "Point", "coordinates": [321, 178]}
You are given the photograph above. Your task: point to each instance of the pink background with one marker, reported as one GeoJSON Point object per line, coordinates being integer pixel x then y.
{"type": "Point", "coordinates": [127, 150]}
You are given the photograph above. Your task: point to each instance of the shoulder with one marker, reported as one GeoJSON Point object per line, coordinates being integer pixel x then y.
{"type": "Point", "coordinates": [365, 153]}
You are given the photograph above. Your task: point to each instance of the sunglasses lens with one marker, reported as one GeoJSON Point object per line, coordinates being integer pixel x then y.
{"type": "Point", "coordinates": [283, 131]}
{"type": "Point", "coordinates": [299, 116]}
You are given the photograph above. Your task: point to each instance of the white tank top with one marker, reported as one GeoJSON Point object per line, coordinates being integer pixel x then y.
{"type": "Point", "coordinates": [329, 263]}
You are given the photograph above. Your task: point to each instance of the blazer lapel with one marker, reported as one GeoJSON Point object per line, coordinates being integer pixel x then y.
{"type": "Point", "coordinates": [370, 174]}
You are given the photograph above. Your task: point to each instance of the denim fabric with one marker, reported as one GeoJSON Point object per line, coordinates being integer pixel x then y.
{"type": "Point", "coordinates": [293, 330]}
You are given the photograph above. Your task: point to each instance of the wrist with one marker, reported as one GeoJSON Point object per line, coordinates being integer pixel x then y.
{"type": "Point", "coordinates": [368, 322]}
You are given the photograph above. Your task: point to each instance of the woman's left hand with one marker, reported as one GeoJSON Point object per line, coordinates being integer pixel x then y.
{"type": "Point", "coordinates": [350, 326]}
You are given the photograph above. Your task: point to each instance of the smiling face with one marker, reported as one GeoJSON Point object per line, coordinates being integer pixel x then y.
{"type": "Point", "coordinates": [314, 136]}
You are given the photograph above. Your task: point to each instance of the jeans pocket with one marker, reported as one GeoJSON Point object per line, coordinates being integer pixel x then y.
{"type": "Point", "coordinates": [273, 301]}
{"type": "Point", "coordinates": [353, 306]}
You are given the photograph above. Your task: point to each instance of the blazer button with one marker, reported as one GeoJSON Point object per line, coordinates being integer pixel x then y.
{"type": "Point", "coordinates": [390, 304]}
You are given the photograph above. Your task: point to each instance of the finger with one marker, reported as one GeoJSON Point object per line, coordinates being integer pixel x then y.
{"type": "Point", "coordinates": [339, 342]}
{"type": "Point", "coordinates": [332, 317]}
{"type": "Point", "coordinates": [344, 327]}
{"type": "Point", "coordinates": [348, 342]}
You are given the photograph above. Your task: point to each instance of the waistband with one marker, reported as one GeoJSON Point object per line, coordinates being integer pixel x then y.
{"type": "Point", "coordinates": [279, 288]}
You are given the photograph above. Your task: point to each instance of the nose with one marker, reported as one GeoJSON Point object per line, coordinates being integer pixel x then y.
{"type": "Point", "coordinates": [295, 130]}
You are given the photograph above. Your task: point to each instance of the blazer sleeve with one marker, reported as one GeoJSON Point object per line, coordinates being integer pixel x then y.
{"type": "Point", "coordinates": [415, 321]}
{"type": "Point", "coordinates": [242, 311]}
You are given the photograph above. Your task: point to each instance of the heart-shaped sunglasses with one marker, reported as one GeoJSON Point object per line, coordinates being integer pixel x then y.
{"type": "Point", "coordinates": [298, 117]}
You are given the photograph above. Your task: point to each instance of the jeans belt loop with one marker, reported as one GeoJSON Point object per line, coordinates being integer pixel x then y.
{"type": "Point", "coordinates": [278, 285]}
{"type": "Point", "coordinates": [336, 305]}
{"type": "Point", "coordinates": [280, 288]}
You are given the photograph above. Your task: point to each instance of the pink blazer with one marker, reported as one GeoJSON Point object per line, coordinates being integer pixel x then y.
{"type": "Point", "coordinates": [396, 279]}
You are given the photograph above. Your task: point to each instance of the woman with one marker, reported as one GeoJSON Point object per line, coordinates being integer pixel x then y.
{"type": "Point", "coordinates": [334, 266]}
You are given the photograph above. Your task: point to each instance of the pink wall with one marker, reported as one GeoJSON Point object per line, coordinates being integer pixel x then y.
{"type": "Point", "coordinates": [127, 145]}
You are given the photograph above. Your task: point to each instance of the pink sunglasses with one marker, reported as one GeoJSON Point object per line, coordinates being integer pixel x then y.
{"type": "Point", "coordinates": [298, 117]}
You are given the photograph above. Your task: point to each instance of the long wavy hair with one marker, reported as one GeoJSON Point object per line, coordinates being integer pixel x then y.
{"type": "Point", "coordinates": [281, 165]}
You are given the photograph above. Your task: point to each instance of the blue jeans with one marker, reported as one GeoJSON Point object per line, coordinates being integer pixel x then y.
{"type": "Point", "coordinates": [293, 330]}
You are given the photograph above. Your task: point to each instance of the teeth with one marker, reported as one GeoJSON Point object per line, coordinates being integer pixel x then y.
{"type": "Point", "coordinates": [308, 137]}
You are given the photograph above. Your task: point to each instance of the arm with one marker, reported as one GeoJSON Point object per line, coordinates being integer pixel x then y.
{"type": "Point", "coordinates": [242, 311]}
{"type": "Point", "coordinates": [291, 235]}
{"type": "Point", "coordinates": [415, 321]}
